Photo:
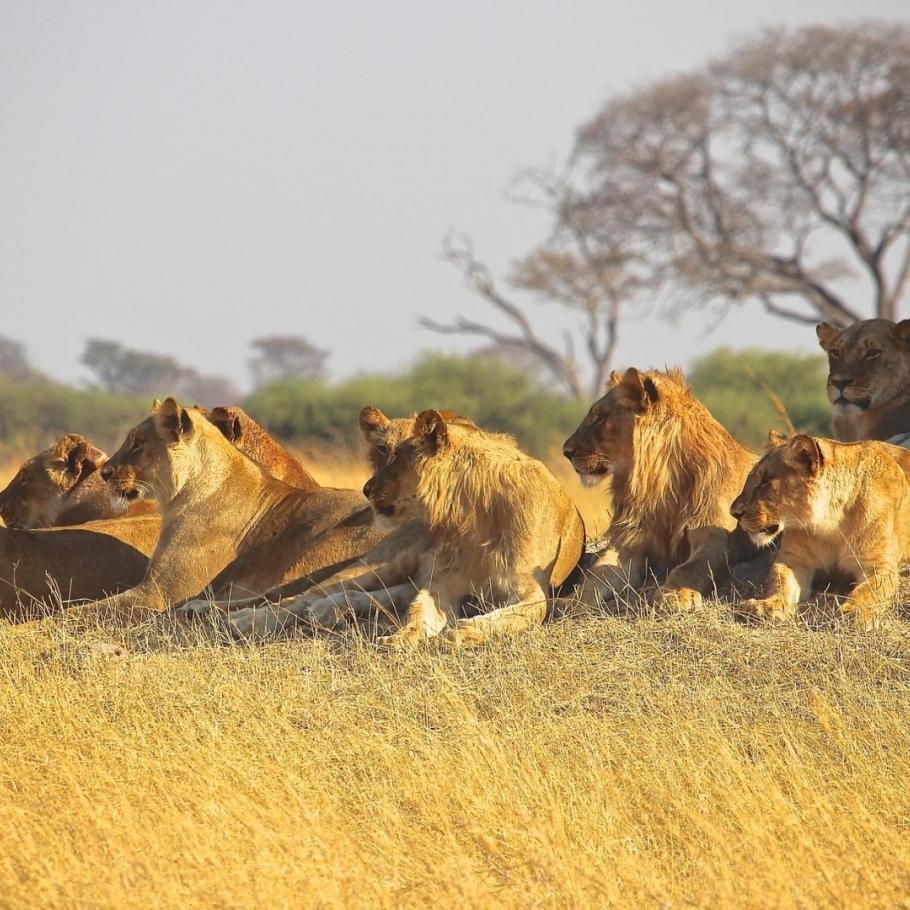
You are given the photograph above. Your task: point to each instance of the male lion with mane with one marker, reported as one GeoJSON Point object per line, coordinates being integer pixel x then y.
{"type": "Point", "coordinates": [839, 510]}
{"type": "Point", "coordinates": [673, 470]}
{"type": "Point", "coordinates": [868, 378]}
{"type": "Point", "coordinates": [501, 528]}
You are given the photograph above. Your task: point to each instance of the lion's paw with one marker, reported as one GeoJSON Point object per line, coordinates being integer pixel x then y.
{"type": "Point", "coordinates": [406, 639]}
{"type": "Point", "coordinates": [678, 600]}
{"type": "Point", "coordinates": [256, 622]}
{"type": "Point", "coordinates": [764, 609]}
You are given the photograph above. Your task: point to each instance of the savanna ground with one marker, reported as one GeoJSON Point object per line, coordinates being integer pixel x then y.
{"type": "Point", "coordinates": [603, 761]}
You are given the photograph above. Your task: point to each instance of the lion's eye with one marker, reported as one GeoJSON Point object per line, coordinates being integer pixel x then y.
{"type": "Point", "coordinates": [382, 450]}
{"type": "Point", "coordinates": [871, 354]}
{"type": "Point", "coordinates": [834, 355]}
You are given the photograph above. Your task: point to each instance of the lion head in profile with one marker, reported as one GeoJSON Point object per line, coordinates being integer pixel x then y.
{"type": "Point", "coordinates": [779, 489]}
{"type": "Point", "coordinates": [35, 497]}
{"type": "Point", "coordinates": [868, 376]}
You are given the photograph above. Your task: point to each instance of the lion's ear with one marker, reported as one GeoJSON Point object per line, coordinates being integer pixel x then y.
{"type": "Point", "coordinates": [901, 333]}
{"type": "Point", "coordinates": [638, 390]}
{"type": "Point", "coordinates": [615, 379]}
{"type": "Point", "coordinates": [775, 439]}
{"type": "Point", "coordinates": [805, 453]}
{"type": "Point", "coordinates": [156, 405]}
{"type": "Point", "coordinates": [431, 426]}
{"type": "Point", "coordinates": [372, 422]}
{"type": "Point", "coordinates": [79, 455]}
{"type": "Point", "coordinates": [172, 421]}
{"type": "Point", "coordinates": [230, 427]}
{"type": "Point", "coordinates": [827, 335]}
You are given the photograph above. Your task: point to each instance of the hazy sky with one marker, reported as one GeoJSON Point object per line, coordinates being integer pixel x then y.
{"type": "Point", "coordinates": [185, 176]}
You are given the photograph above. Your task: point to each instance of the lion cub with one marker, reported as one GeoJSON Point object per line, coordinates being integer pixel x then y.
{"type": "Point", "coordinates": [839, 509]}
{"type": "Point", "coordinates": [500, 526]}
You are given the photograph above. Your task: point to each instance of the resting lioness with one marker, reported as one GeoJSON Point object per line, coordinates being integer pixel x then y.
{"type": "Point", "coordinates": [218, 505]}
{"type": "Point", "coordinates": [59, 486]}
{"type": "Point", "coordinates": [868, 378]}
{"type": "Point", "coordinates": [838, 509]}
{"type": "Point", "coordinates": [673, 470]}
{"type": "Point", "coordinates": [41, 569]}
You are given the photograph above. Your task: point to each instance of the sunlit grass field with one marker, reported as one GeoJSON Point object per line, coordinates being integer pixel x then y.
{"type": "Point", "coordinates": [600, 761]}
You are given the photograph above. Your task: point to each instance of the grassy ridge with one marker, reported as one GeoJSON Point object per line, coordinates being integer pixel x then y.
{"type": "Point", "coordinates": [627, 762]}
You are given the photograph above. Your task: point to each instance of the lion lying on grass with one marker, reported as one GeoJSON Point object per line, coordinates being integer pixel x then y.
{"type": "Point", "coordinates": [218, 505]}
{"type": "Point", "coordinates": [673, 470]}
{"type": "Point", "coordinates": [498, 527]}
{"type": "Point", "coordinates": [839, 510]}
{"type": "Point", "coordinates": [61, 486]}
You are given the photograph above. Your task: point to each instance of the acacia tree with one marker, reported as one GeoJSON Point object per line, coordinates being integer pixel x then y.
{"type": "Point", "coordinates": [778, 174]}
{"type": "Point", "coordinates": [773, 175]}
{"type": "Point", "coordinates": [590, 269]}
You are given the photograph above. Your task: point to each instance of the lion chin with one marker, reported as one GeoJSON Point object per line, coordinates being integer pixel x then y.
{"type": "Point", "coordinates": [765, 537]}
{"type": "Point", "coordinates": [589, 481]}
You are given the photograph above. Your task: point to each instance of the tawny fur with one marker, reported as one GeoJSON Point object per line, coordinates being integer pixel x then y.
{"type": "Point", "coordinates": [868, 378]}
{"type": "Point", "coordinates": [840, 511]}
{"type": "Point", "coordinates": [673, 471]}
{"type": "Point", "coordinates": [217, 505]}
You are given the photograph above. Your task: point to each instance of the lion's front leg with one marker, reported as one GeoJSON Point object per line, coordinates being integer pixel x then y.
{"type": "Point", "coordinates": [427, 616]}
{"type": "Point", "coordinates": [612, 577]}
{"type": "Point", "coordinates": [138, 604]}
{"type": "Point", "coordinates": [528, 608]}
{"type": "Point", "coordinates": [707, 561]}
{"type": "Point", "coordinates": [786, 585]}
{"type": "Point", "coordinates": [876, 590]}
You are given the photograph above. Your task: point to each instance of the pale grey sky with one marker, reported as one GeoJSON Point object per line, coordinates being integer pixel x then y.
{"type": "Point", "coordinates": [184, 176]}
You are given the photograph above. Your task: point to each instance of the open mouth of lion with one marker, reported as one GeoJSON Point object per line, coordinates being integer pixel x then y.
{"type": "Point", "coordinates": [770, 530]}
{"type": "Point", "coordinates": [387, 511]}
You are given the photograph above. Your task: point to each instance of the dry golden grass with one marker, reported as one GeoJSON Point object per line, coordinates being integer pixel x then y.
{"type": "Point", "coordinates": [601, 761]}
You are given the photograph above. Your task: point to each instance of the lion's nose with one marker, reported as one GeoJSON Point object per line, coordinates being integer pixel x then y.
{"type": "Point", "coordinates": [568, 450]}
{"type": "Point", "coordinates": [840, 384]}
{"type": "Point", "coordinates": [367, 487]}
{"type": "Point", "coordinates": [107, 472]}
{"type": "Point", "coordinates": [737, 510]}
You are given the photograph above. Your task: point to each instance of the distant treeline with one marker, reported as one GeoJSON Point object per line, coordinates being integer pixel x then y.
{"type": "Point", "coordinates": [744, 389]}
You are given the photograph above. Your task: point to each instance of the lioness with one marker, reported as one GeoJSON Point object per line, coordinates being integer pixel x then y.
{"type": "Point", "coordinates": [868, 378]}
{"type": "Point", "coordinates": [217, 504]}
{"type": "Point", "coordinates": [674, 470]}
{"type": "Point", "coordinates": [245, 434]}
{"type": "Point", "coordinates": [39, 569]}
{"type": "Point", "coordinates": [839, 509]}
{"type": "Point", "coordinates": [59, 486]}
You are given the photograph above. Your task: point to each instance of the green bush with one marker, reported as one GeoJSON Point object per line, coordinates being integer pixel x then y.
{"type": "Point", "coordinates": [734, 385]}
{"type": "Point", "coordinates": [497, 396]}
{"type": "Point", "coordinates": [33, 415]}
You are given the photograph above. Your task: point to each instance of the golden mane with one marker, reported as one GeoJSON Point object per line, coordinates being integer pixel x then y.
{"type": "Point", "coordinates": [472, 480]}
{"type": "Point", "coordinates": [681, 460]}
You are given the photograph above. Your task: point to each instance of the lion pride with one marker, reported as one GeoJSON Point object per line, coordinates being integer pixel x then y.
{"type": "Point", "coordinates": [868, 378]}
{"type": "Point", "coordinates": [673, 472]}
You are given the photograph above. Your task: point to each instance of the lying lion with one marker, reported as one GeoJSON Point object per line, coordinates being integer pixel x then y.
{"type": "Point", "coordinates": [499, 526]}
{"type": "Point", "coordinates": [61, 486]}
{"type": "Point", "coordinates": [839, 510]}
{"type": "Point", "coordinates": [673, 470]}
{"type": "Point", "coordinates": [218, 505]}
{"type": "Point", "coordinates": [380, 581]}
{"type": "Point", "coordinates": [868, 378]}
{"type": "Point", "coordinates": [41, 569]}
